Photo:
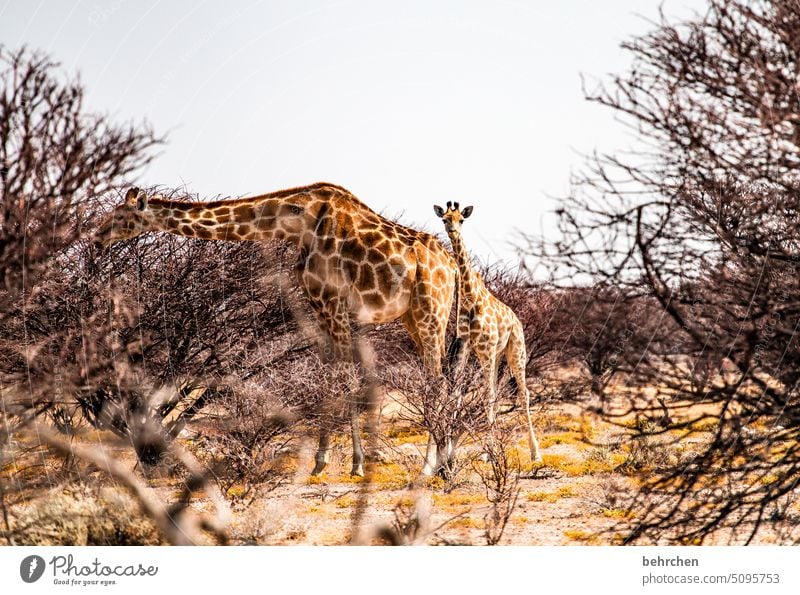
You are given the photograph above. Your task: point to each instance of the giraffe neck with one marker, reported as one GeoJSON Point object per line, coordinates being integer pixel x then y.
{"type": "Point", "coordinates": [469, 285]}
{"type": "Point", "coordinates": [236, 220]}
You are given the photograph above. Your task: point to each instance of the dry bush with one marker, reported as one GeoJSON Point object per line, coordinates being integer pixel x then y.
{"type": "Point", "coordinates": [84, 517]}
{"type": "Point", "coordinates": [451, 413]}
{"type": "Point", "coordinates": [318, 392]}
{"type": "Point", "coordinates": [703, 223]}
{"type": "Point", "coordinates": [454, 416]}
{"type": "Point", "coordinates": [609, 493]}
{"type": "Point", "coordinates": [604, 329]}
{"type": "Point", "coordinates": [260, 420]}
{"type": "Point", "coordinates": [54, 158]}
{"type": "Point", "coordinates": [246, 440]}
{"type": "Point", "coordinates": [190, 312]}
{"type": "Point", "coordinates": [500, 475]}
{"type": "Point", "coordinates": [274, 522]}
{"type": "Point", "coordinates": [650, 449]}
{"type": "Point", "coordinates": [75, 339]}
{"type": "Point", "coordinates": [410, 525]}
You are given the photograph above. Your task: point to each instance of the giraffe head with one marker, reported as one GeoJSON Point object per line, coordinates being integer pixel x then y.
{"type": "Point", "coordinates": [128, 220]}
{"type": "Point", "coordinates": [453, 217]}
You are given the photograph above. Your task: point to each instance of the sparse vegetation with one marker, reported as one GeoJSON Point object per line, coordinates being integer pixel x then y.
{"type": "Point", "coordinates": [169, 390]}
{"type": "Point", "coordinates": [84, 517]}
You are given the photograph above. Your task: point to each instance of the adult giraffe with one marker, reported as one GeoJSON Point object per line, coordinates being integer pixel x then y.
{"type": "Point", "coordinates": [353, 265]}
{"type": "Point", "coordinates": [488, 326]}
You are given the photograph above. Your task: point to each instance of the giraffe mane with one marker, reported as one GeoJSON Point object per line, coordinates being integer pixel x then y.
{"type": "Point", "coordinates": [276, 194]}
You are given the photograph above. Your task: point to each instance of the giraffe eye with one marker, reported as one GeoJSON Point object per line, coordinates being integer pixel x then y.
{"type": "Point", "coordinates": [295, 209]}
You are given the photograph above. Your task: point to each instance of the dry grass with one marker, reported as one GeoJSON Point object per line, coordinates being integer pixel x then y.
{"type": "Point", "coordinates": [579, 498]}
{"type": "Point", "coordinates": [561, 493]}
{"type": "Point", "coordinates": [584, 537]}
{"type": "Point", "coordinates": [89, 517]}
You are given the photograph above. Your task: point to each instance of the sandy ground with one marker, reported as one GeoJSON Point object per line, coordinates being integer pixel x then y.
{"type": "Point", "coordinates": [576, 498]}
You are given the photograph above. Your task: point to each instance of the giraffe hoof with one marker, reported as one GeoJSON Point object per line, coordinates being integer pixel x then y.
{"type": "Point", "coordinates": [357, 471]}
{"type": "Point", "coordinates": [318, 468]}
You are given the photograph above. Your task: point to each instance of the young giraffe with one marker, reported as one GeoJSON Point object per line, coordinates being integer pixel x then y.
{"type": "Point", "coordinates": [487, 325]}
{"type": "Point", "coordinates": [353, 265]}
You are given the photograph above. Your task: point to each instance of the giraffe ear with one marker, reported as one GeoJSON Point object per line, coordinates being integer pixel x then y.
{"type": "Point", "coordinates": [136, 198]}
{"type": "Point", "coordinates": [438, 210]}
{"type": "Point", "coordinates": [466, 212]}
{"type": "Point", "coordinates": [130, 196]}
{"type": "Point", "coordinates": [141, 201]}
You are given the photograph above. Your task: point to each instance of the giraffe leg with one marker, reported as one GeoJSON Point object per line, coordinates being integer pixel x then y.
{"type": "Point", "coordinates": [408, 322]}
{"type": "Point", "coordinates": [517, 359]}
{"type": "Point", "coordinates": [429, 311]}
{"type": "Point", "coordinates": [321, 458]}
{"type": "Point", "coordinates": [427, 324]}
{"type": "Point", "coordinates": [429, 466]}
{"type": "Point", "coordinates": [488, 364]}
{"type": "Point", "coordinates": [355, 433]}
{"type": "Point", "coordinates": [335, 320]}
{"type": "Point", "coordinates": [489, 371]}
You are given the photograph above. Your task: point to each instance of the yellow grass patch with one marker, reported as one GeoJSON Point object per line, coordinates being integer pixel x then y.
{"type": "Point", "coordinates": [588, 466]}
{"type": "Point", "coordinates": [768, 479]}
{"type": "Point", "coordinates": [520, 520]}
{"type": "Point", "coordinates": [562, 422]}
{"type": "Point", "coordinates": [454, 500]}
{"type": "Point", "coordinates": [708, 424]}
{"type": "Point", "coordinates": [346, 501]}
{"type": "Point", "coordinates": [582, 536]}
{"type": "Point", "coordinates": [576, 438]}
{"type": "Point", "coordinates": [406, 501]}
{"type": "Point", "coordinates": [405, 435]}
{"type": "Point", "coordinates": [433, 483]}
{"type": "Point", "coordinates": [542, 497]}
{"type": "Point", "coordinates": [390, 476]}
{"type": "Point", "coordinates": [555, 460]}
{"type": "Point", "coordinates": [617, 513]}
{"type": "Point", "coordinates": [236, 491]}
{"type": "Point", "coordinates": [562, 492]}
{"type": "Point", "coordinates": [467, 523]}
{"type": "Point", "coordinates": [351, 479]}
{"type": "Point", "coordinates": [314, 480]}
{"type": "Point", "coordinates": [566, 492]}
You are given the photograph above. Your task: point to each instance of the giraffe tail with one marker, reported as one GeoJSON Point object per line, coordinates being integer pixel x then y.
{"type": "Point", "coordinates": [512, 383]}
{"type": "Point", "coordinates": [454, 352]}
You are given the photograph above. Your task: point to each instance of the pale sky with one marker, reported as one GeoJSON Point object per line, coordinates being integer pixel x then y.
{"type": "Point", "coordinates": [405, 103]}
